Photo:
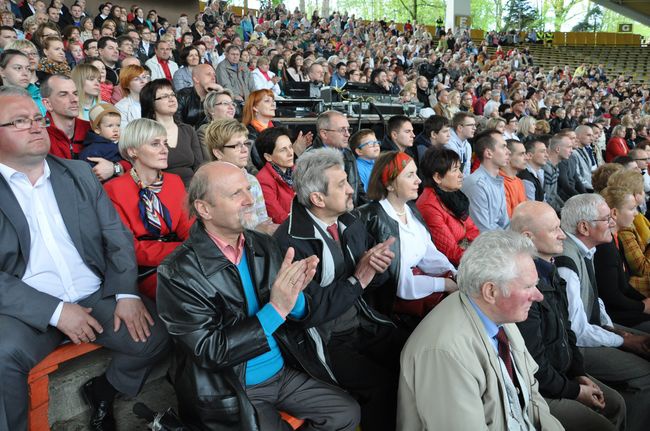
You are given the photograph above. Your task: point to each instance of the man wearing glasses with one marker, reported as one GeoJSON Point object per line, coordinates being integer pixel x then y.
{"type": "Point", "coordinates": [333, 130]}
{"type": "Point", "coordinates": [463, 127]}
{"type": "Point", "coordinates": [69, 271]}
{"type": "Point", "coordinates": [614, 354]}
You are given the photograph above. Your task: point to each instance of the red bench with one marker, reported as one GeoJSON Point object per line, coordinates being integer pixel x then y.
{"type": "Point", "coordinates": [39, 382]}
{"type": "Point", "coordinates": [39, 385]}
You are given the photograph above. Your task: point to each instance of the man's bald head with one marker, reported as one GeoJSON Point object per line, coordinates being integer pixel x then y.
{"type": "Point", "coordinates": [200, 68]}
{"type": "Point", "coordinates": [205, 179]}
{"type": "Point", "coordinates": [219, 196]}
{"type": "Point", "coordinates": [130, 61]}
{"type": "Point", "coordinates": [524, 215]}
{"type": "Point", "coordinates": [203, 76]}
{"type": "Point", "coordinates": [539, 222]}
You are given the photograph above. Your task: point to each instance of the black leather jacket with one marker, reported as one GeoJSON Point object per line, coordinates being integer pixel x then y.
{"type": "Point", "coordinates": [381, 226]}
{"type": "Point", "coordinates": [201, 300]}
{"type": "Point", "coordinates": [336, 297]}
{"type": "Point", "coordinates": [549, 338]}
{"type": "Point", "coordinates": [190, 108]}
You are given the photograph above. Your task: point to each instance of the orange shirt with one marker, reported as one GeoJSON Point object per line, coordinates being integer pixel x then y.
{"type": "Point", "coordinates": [515, 191]}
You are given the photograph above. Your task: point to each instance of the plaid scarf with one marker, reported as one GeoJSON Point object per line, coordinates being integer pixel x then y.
{"type": "Point", "coordinates": [151, 209]}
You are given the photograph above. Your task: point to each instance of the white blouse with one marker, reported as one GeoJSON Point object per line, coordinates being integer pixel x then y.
{"type": "Point", "coordinates": [130, 110]}
{"type": "Point", "coordinates": [417, 249]}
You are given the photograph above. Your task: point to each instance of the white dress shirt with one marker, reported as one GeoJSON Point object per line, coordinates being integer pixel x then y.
{"type": "Point", "coordinates": [55, 267]}
{"type": "Point", "coordinates": [587, 335]}
{"type": "Point", "coordinates": [417, 249]}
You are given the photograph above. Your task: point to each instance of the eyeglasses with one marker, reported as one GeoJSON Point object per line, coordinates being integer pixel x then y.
{"type": "Point", "coordinates": [342, 130]}
{"type": "Point", "coordinates": [26, 123]}
{"type": "Point", "coordinates": [469, 125]}
{"type": "Point", "coordinates": [166, 96]}
{"type": "Point", "coordinates": [240, 146]}
{"type": "Point", "coordinates": [642, 160]}
{"type": "Point", "coordinates": [370, 144]}
{"type": "Point", "coordinates": [607, 219]}
{"type": "Point", "coordinates": [231, 104]}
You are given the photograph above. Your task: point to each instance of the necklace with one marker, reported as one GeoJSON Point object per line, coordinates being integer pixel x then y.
{"type": "Point", "coordinates": [400, 214]}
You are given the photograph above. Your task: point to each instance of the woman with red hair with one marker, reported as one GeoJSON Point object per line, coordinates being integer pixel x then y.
{"type": "Point", "coordinates": [419, 275]}
{"type": "Point", "coordinates": [257, 116]}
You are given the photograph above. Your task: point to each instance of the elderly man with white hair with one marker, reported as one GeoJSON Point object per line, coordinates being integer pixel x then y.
{"type": "Point", "coordinates": [616, 355]}
{"type": "Point", "coordinates": [479, 374]}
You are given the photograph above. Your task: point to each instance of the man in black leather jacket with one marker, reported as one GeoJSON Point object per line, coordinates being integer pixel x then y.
{"type": "Point", "coordinates": [333, 130]}
{"type": "Point", "coordinates": [236, 312]}
{"type": "Point", "coordinates": [363, 345]}
{"type": "Point", "coordinates": [190, 100]}
{"type": "Point", "coordinates": [575, 399]}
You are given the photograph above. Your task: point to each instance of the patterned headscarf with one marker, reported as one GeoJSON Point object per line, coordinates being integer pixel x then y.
{"type": "Point", "coordinates": [394, 168]}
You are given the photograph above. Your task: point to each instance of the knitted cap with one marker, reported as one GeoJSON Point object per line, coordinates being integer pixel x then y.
{"type": "Point", "coordinates": [98, 112]}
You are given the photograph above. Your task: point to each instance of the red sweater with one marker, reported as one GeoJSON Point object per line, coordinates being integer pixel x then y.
{"type": "Point", "coordinates": [446, 230]}
{"type": "Point", "coordinates": [61, 145]}
{"type": "Point", "coordinates": [123, 192]}
{"type": "Point", "coordinates": [278, 195]}
{"type": "Point", "coordinates": [615, 147]}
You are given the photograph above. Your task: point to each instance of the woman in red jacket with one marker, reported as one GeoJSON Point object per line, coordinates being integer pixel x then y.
{"type": "Point", "coordinates": [149, 202]}
{"type": "Point", "coordinates": [276, 177]}
{"type": "Point", "coordinates": [443, 206]}
{"type": "Point", "coordinates": [616, 146]}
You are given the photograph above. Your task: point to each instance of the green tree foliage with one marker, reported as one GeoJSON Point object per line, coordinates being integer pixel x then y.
{"type": "Point", "coordinates": [562, 10]}
{"type": "Point", "coordinates": [487, 14]}
{"type": "Point", "coordinates": [424, 11]}
{"type": "Point", "coordinates": [520, 14]}
{"type": "Point", "coordinates": [592, 21]}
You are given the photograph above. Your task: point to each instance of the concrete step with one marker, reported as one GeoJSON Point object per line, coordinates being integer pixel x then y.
{"type": "Point", "coordinates": [68, 411]}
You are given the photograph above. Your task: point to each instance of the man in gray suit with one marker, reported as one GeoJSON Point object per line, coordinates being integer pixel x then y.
{"type": "Point", "coordinates": [67, 270]}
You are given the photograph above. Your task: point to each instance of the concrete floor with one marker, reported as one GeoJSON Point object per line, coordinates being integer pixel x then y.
{"type": "Point", "coordinates": [68, 412]}
{"type": "Point", "coordinates": [158, 395]}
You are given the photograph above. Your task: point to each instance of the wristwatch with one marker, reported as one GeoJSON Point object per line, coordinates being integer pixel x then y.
{"type": "Point", "coordinates": [117, 169]}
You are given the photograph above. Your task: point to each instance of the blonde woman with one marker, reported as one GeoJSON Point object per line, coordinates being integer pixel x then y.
{"type": "Point", "coordinates": [87, 79]}
{"type": "Point", "coordinates": [526, 127]}
{"type": "Point", "coordinates": [635, 237]}
{"type": "Point", "coordinates": [454, 103]}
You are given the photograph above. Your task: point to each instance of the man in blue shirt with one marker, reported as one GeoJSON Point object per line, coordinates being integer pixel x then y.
{"type": "Point", "coordinates": [484, 188]}
{"type": "Point", "coordinates": [237, 312]}
{"type": "Point", "coordinates": [338, 77]}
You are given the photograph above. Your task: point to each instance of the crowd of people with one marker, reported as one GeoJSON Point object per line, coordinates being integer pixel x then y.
{"type": "Point", "coordinates": [482, 264]}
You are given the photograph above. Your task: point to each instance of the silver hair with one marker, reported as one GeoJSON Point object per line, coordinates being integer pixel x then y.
{"type": "Point", "coordinates": [324, 119]}
{"type": "Point", "coordinates": [492, 258]}
{"type": "Point", "coordinates": [9, 90]}
{"type": "Point", "coordinates": [579, 208]}
{"type": "Point", "coordinates": [308, 176]}
{"type": "Point", "coordinates": [137, 133]}
{"type": "Point", "coordinates": [211, 100]}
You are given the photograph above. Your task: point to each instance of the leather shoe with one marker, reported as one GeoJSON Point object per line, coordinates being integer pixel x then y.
{"type": "Point", "coordinates": [101, 418]}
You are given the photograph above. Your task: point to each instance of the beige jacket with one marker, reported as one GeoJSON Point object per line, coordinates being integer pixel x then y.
{"type": "Point", "coordinates": [451, 378]}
